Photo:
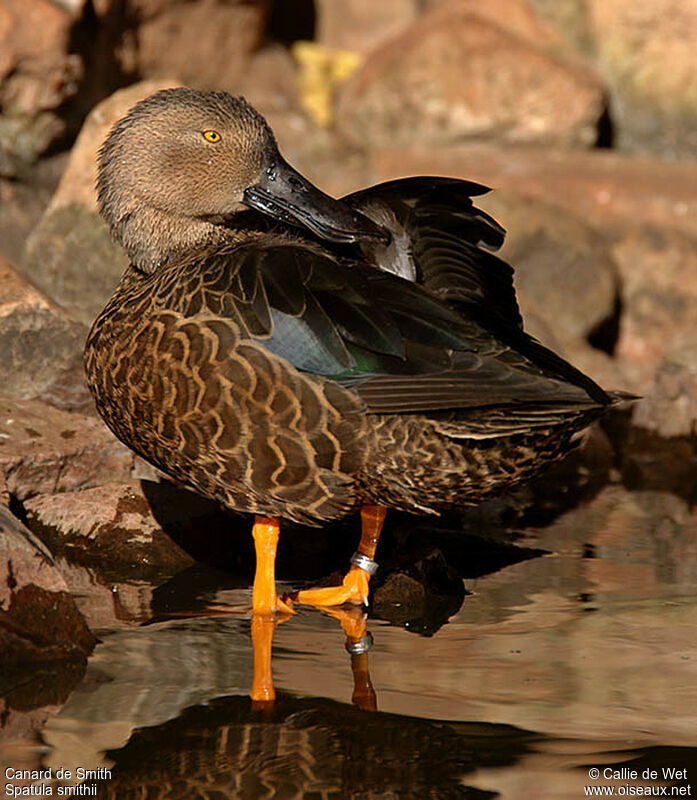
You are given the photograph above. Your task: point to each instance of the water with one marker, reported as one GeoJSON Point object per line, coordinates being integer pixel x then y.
{"type": "Point", "coordinates": [582, 656]}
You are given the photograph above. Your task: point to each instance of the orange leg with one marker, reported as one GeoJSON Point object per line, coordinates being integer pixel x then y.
{"type": "Point", "coordinates": [354, 588]}
{"type": "Point", "coordinates": [264, 597]}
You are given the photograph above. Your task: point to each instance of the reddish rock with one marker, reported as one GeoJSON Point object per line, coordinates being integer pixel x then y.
{"type": "Point", "coordinates": [269, 82]}
{"type": "Point", "coordinates": [646, 52]}
{"type": "Point", "coordinates": [456, 74]}
{"type": "Point", "coordinates": [37, 74]}
{"type": "Point", "coordinates": [70, 255]}
{"type": "Point", "coordinates": [37, 340]}
{"type": "Point", "coordinates": [659, 276]}
{"type": "Point", "coordinates": [39, 620]}
{"type": "Point", "coordinates": [45, 450]}
{"type": "Point", "coordinates": [362, 25]}
{"type": "Point", "coordinates": [612, 191]}
{"type": "Point", "coordinates": [206, 44]}
{"type": "Point", "coordinates": [560, 263]}
{"type": "Point", "coordinates": [112, 525]}
{"type": "Point", "coordinates": [523, 19]}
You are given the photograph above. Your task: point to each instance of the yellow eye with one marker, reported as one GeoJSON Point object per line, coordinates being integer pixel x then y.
{"type": "Point", "coordinates": [211, 136]}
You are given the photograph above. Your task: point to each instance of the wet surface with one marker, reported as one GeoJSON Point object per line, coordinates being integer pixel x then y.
{"type": "Point", "coordinates": [574, 646]}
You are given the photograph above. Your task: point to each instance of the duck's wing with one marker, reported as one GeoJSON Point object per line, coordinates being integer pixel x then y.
{"type": "Point", "coordinates": [442, 240]}
{"type": "Point", "coordinates": [399, 347]}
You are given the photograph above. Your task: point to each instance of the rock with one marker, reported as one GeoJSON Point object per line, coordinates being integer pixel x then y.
{"type": "Point", "coordinates": [39, 620]}
{"type": "Point", "coordinates": [422, 597]}
{"type": "Point", "coordinates": [37, 340]}
{"type": "Point", "coordinates": [570, 20]}
{"type": "Point", "coordinates": [23, 200]}
{"type": "Point", "coordinates": [520, 18]}
{"type": "Point", "coordinates": [269, 82]}
{"type": "Point", "coordinates": [646, 52]}
{"type": "Point", "coordinates": [45, 450]}
{"type": "Point", "coordinates": [612, 191]}
{"type": "Point", "coordinates": [70, 254]}
{"type": "Point", "coordinates": [658, 270]}
{"type": "Point", "coordinates": [110, 525]}
{"type": "Point", "coordinates": [560, 264]}
{"type": "Point", "coordinates": [670, 405]}
{"type": "Point", "coordinates": [456, 74]}
{"type": "Point", "coordinates": [187, 39]}
{"type": "Point", "coordinates": [37, 74]}
{"type": "Point", "coordinates": [108, 604]}
{"type": "Point", "coordinates": [362, 25]}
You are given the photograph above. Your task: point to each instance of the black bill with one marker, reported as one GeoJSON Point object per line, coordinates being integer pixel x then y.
{"type": "Point", "coordinates": [286, 195]}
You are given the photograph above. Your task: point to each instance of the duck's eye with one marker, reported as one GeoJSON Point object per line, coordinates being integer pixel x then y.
{"type": "Point", "coordinates": [211, 136]}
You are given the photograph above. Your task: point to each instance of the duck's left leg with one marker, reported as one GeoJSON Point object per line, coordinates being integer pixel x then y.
{"type": "Point", "coordinates": [354, 588]}
{"type": "Point", "coordinates": [264, 597]}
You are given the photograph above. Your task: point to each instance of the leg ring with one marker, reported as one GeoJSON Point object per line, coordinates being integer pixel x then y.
{"type": "Point", "coordinates": [365, 563]}
{"type": "Point", "coordinates": [364, 644]}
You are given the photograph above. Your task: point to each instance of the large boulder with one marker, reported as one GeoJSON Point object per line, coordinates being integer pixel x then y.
{"type": "Point", "coordinates": [202, 43]}
{"type": "Point", "coordinates": [646, 51]}
{"type": "Point", "coordinates": [564, 274]}
{"type": "Point", "coordinates": [38, 341]}
{"type": "Point", "coordinates": [111, 526]}
{"type": "Point", "coordinates": [38, 73]}
{"type": "Point", "coordinates": [612, 191]}
{"type": "Point", "coordinates": [45, 450]}
{"type": "Point", "coordinates": [362, 25]}
{"type": "Point", "coordinates": [459, 73]}
{"type": "Point", "coordinates": [39, 620]}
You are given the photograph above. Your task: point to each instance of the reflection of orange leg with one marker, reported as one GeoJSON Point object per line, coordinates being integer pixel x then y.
{"type": "Point", "coordinates": [358, 643]}
{"type": "Point", "coordinates": [354, 621]}
{"type": "Point", "coordinates": [354, 588]}
{"type": "Point", "coordinates": [263, 627]}
{"type": "Point", "coordinates": [264, 597]}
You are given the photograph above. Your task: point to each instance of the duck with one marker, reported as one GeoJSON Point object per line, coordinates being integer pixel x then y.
{"type": "Point", "coordinates": [303, 358]}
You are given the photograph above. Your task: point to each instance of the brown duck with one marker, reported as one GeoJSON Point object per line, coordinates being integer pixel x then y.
{"type": "Point", "coordinates": [292, 355]}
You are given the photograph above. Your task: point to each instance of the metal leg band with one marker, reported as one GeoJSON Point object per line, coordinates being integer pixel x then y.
{"type": "Point", "coordinates": [361, 646]}
{"type": "Point", "coordinates": [364, 563]}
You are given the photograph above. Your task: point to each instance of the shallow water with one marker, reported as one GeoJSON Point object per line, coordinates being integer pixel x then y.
{"type": "Point", "coordinates": [583, 657]}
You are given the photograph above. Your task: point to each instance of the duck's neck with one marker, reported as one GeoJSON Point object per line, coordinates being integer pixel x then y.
{"type": "Point", "coordinates": [152, 238]}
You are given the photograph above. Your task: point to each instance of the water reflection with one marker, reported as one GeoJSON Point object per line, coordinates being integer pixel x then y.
{"type": "Point", "coordinates": [582, 655]}
{"type": "Point", "coordinates": [309, 748]}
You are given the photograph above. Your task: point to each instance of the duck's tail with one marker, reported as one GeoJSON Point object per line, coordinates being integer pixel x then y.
{"type": "Point", "coordinates": [619, 397]}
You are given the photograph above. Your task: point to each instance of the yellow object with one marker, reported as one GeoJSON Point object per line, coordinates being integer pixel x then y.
{"type": "Point", "coordinates": [321, 70]}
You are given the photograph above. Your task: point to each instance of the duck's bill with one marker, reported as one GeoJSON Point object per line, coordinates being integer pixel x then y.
{"type": "Point", "coordinates": [286, 195]}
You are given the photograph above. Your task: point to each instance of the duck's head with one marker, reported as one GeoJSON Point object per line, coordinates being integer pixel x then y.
{"type": "Point", "coordinates": [183, 162]}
